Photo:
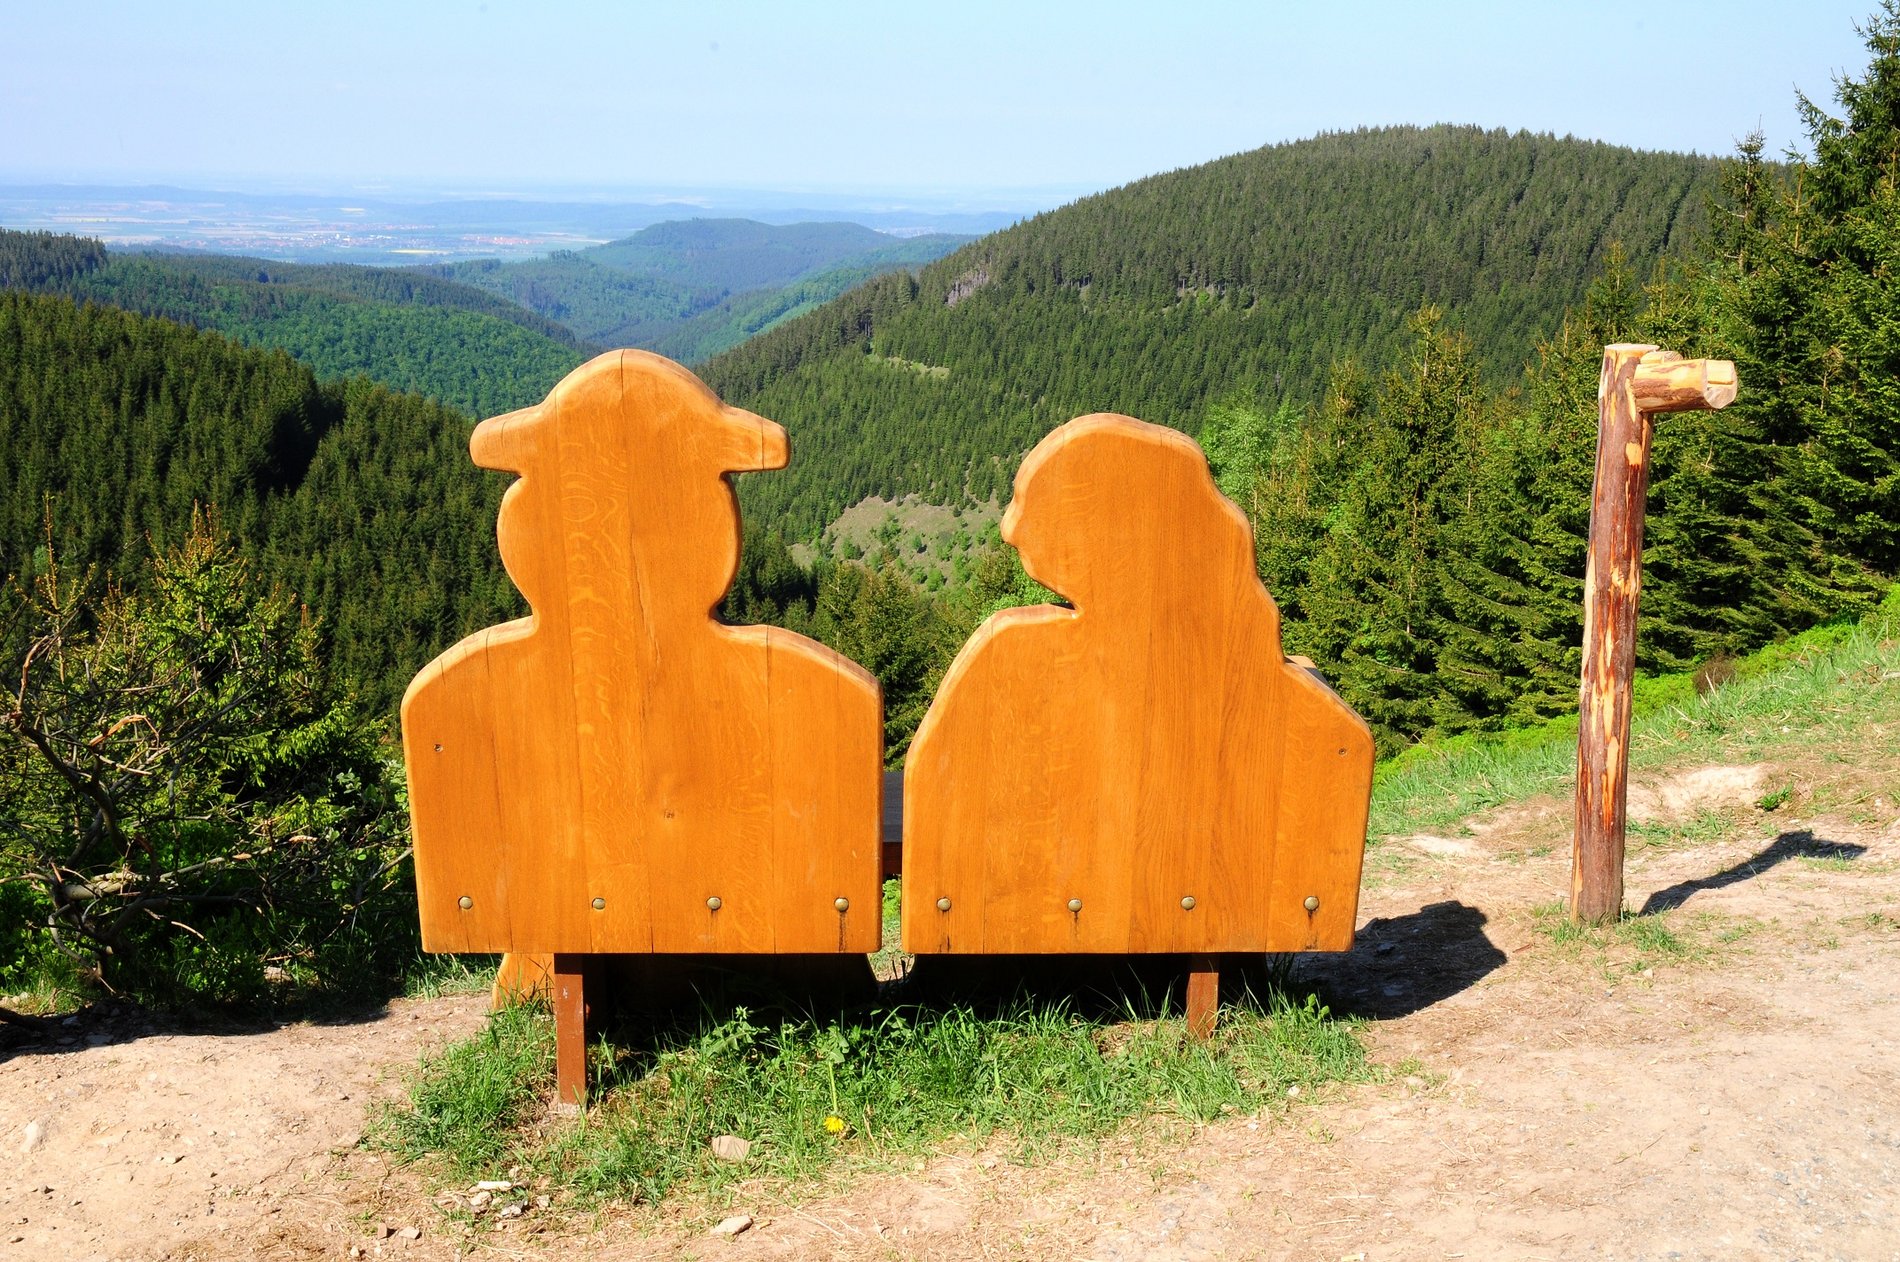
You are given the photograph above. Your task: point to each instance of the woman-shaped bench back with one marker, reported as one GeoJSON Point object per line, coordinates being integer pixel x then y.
{"type": "Point", "coordinates": [1143, 772]}
{"type": "Point", "coordinates": [620, 772]}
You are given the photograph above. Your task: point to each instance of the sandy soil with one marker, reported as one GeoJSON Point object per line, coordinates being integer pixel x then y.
{"type": "Point", "coordinates": [1547, 1099]}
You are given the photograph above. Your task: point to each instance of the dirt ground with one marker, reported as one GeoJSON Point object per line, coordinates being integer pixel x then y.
{"type": "Point", "coordinates": [1738, 1097]}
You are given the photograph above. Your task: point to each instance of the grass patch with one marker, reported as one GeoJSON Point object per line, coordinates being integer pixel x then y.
{"type": "Point", "coordinates": [1837, 681]}
{"type": "Point", "coordinates": [901, 1080]}
{"type": "Point", "coordinates": [433, 976]}
{"type": "Point", "coordinates": [1627, 944]}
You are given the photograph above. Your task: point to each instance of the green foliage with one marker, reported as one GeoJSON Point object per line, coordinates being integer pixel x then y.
{"type": "Point", "coordinates": [1832, 679]}
{"type": "Point", "coordinates": [184, 797]}
{"type": "Point", "coordinates": [1241, 279]}
{"type": "Point", "coordinates": [124, 424]}
{"type": "Point", "coordinates": [899, 1079]}
{"type": "Point", "coordinates": [460, 346]}
{"type": "Point", "coordinates": [691, 288]}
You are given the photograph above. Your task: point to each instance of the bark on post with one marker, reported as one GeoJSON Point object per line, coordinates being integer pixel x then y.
{"type": "Point", "coordinates": [1636, 382]}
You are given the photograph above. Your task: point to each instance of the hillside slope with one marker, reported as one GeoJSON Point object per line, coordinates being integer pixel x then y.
{"type": "Point", "coordinates": [454, 343]}
{"type": "Point", "coordinates": [695, 287]}
{"type": "Point", "coordinates": [1248, 276]}
{"type": "Point", "coordinates": [118, 426]}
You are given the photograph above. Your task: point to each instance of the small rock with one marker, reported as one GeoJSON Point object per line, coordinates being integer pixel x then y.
{"type": "Point", "coordinates": [1293, 1092]}
{"type": "Point", "coordinates": [479, 1201]}
{"type": "Point", "coordinates": [731, 1148]}
{"type": "Point", "coordinates": [70, 1021]}
{"type": "Point", "coordinates": [494, 1185]}
{"type": "Point", "coordinates": [167, 1159]}
{"type": "Point", "coordinates": [346, 1141]}
{"type": "Point", "coordinates": [543, 1201]}
{"type": "Point", "coordinates": [410, 1233]}
{"type": "Point", "coordinates": [381, 1231]}
{"type": "Point", "coordinates": [98, 1040]}
{"type": "Point", "coordinates": [730, 1227]}
{"type": "Point", "coordinates": [33, 1135]}
{"type": "Point", "coordinates": [514, 1209]}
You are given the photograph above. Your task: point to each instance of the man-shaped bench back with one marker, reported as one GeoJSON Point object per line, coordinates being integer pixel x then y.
{"type": "Point", "coordinates": [619, 772]}
{"type": "Point", "coordinates": [1143, 772]}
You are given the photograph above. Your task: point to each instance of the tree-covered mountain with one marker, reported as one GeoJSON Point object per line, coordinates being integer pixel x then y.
{"type": "Point", "coordinates": [1242, 278]}
{"type": "Point", "coordinates": [358, 499]}
{"type": "Point", "coordinates": [1387, 341]}
{"type": "Point", "coordinates": [452, 342]}
{"type": "Point", "coordinates": [695, 287]}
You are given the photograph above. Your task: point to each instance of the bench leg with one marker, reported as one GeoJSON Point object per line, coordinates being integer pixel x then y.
{"type": "Point", "coordinates": [1203, 994]}
{"type": "Point", "coordinates": [570, 1031]}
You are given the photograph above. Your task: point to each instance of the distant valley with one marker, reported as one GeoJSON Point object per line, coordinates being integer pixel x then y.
{"type": "Point", "coordinates": [693, 288]}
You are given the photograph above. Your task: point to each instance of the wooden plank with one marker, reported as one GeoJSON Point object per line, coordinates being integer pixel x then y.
{"type": "Point", "coordinates": [1635, 381]}
{"type": "Point", "coordinates": [1144, 771]}
{"type": "Point", "coordinates": [620, 772]}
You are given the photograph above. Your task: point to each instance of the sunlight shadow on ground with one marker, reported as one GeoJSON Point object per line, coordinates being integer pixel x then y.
{"type": "Point", "coordinates": [1403, 964]}
{"type": "Point", "coordinates": [1791, 845]}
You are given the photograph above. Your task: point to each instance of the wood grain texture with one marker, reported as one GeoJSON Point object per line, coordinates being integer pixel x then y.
{"type": "Point", "coordinates": [1085, 771]}
{"type": "Point", "coordinates": [619, 772]}
{"type": "Point", "coordinates": [521, 978]}
{"type": "Point", "coordinates": [1636, 380]}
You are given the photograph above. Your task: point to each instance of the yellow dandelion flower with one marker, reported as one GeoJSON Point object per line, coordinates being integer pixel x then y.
{"type": "Point", "coordinates": [834, 1125]}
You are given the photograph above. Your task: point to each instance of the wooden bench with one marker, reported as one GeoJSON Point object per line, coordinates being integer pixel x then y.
{"type": "Point", "coordinates": [621, 773]}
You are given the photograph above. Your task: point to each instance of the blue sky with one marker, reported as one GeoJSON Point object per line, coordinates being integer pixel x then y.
{"type": "Point", "coordinates": [972, 103]}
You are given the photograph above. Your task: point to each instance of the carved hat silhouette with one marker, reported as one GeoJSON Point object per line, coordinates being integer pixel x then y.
{"type": "Point", "coordinates": [610, 425]}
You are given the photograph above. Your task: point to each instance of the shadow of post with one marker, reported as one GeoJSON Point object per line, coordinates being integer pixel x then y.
{"type": "Point", "coordinates": [1802, 844]}
{"type": "Point", "coordinates": [1404, 964]}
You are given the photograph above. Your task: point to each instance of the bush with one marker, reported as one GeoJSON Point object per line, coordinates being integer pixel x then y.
{"type": "Point", "coordinates": [189, 809]}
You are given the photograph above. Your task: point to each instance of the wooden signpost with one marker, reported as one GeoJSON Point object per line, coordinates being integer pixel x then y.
{"type": "Point", "coordinates": [620, 773]}
{"type": "Point", "coordinates": [1637, 381]}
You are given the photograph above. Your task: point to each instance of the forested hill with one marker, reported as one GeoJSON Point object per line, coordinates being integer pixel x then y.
{"type": "Point", "coordinates": [1247, 277]}
{"type": "Point", "coordinates": [694, 287]}
{"type": "Point", "coordinates": [360, 500]}
{"type": "Point", "coordinates": [454, 343]}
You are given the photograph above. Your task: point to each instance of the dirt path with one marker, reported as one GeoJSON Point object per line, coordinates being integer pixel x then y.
{"type": "Point", "coordinates": [1730, 1089]}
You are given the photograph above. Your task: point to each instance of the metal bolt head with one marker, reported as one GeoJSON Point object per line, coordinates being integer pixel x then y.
{"type": "Point", "coordinates": [1187, 903]}
{"type": "Point", "coordinates": [465, 902]}
{"type": "Point", "coordinates": [1075, 904]}
{"type": "Point", "coordinates": [713, 903]}
{"type": "Point", "coordinates": [842, 904]}
{"type": "Point", "coordinates": [1312, 902]}
{"type": "Point", "coordinates": [943, 904]}
{"type": "Point", "coordinates": [600, 904]}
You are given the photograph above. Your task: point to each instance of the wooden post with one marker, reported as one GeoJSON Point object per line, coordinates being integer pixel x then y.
{"type": "Point", "coordinates": [570, 1031]}
{"type": "Point", "coordinates": [1637, 381]}
{"type": "Point", "coordinates": [1203, 994]}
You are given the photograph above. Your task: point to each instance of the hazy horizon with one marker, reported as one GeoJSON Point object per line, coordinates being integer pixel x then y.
{"type": "Point", "coordinates": [1024, 106]}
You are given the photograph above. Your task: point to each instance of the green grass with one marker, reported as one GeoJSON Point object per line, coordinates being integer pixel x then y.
{"type": "Point", "coordinates": [902, 1080]}
{"type": "Point", "coordinates": [432, 976]}
{"type": "Point", "coordinates": [1649, 937]}
{"type": "Point", "coordinates": [1794, 686]}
